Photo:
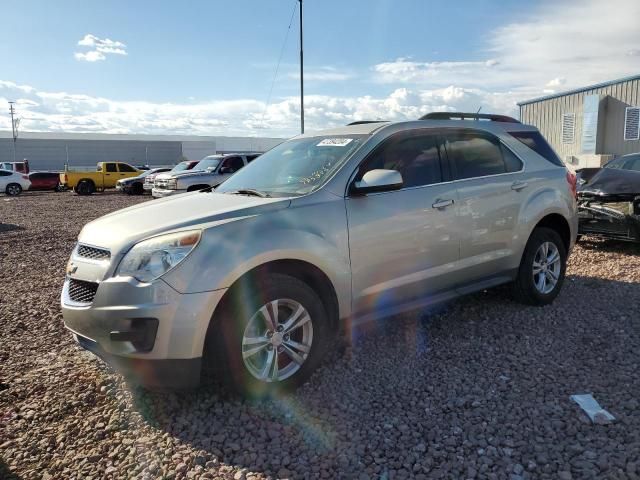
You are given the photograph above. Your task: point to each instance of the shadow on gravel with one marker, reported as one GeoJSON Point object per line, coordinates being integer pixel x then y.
{"type": "Point", "coordinates": [9, 227]}
{"type": "Point", "coordinates": [5, 473]}
{"type": "Point", "coordinates": [609, 246]}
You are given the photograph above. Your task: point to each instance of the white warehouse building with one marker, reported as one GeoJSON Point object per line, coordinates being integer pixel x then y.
{"type": "Point", "coordinates": [52, 150]}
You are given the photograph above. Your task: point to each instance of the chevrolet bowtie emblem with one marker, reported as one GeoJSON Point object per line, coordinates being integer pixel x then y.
{"type": "Point", "coordinates": [71, 268]}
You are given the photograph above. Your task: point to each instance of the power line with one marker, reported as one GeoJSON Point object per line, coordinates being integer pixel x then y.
{"type": "Point", "coordinates": [275, 76]}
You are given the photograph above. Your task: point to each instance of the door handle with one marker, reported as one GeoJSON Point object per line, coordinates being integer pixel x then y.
{"type": "Point", "coordinates": [518, 185]}
{"type": "Point", "coordinates": [442, 203]}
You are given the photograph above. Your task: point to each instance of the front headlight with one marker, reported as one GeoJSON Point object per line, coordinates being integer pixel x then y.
{"type": "Point", "coordinates": [154, 257]}
{"type": "Point", "coordinates": [172, 184]}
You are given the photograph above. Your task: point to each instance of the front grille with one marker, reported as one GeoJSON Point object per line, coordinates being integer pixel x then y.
{"type": "Point", "coordinates": [81, 291]}
{"type": "Point", "coordinates": [93, 253]}
{"type": "Point", "coordinates": [160, 183]}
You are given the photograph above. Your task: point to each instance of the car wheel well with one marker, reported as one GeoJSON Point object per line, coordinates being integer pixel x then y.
{"type": "Point", "coordinates": [88, 180]}
{"type": "Point", "coordinates": [560, 225]}
{"type": "Point", "coordinates": [303, 271]}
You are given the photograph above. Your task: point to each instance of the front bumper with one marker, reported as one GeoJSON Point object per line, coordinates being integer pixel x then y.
{"type": "Point", "coordinates": [108, 327]}
{"type": "Point", "coordinates": [161, 193]}
{"type": "Point", "coordinates": [147, 187]}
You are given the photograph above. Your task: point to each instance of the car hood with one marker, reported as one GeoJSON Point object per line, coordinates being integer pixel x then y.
{"type": "Point", "coordinates": [191, 173]}
{"type": "Point", "coordinates": [612, 182]}
{"type": "Point", "coordinates": [119, 230]}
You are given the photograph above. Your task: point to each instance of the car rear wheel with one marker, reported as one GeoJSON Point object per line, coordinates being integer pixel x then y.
{"type": "Point", "coordinates": [542, 268]}
{"type": "Point", "coordinates": [85, 187]}
{"type": "Point", "coordinates": [13, 189]}
{"type": "Point", "coordinates": [271, 339]}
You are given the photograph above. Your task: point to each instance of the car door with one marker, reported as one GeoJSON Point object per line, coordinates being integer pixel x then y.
{"type": "Point", "coordinates": [490, 180]}
{"type": "Point", "coordinates": [110, 171]}
{"type": "Point", "coordinates": [5, 176]}
{"type": "Point", "coordinates": [127, 171]}
{"type": "Point", "coordinates": [403, 243]}
{"type": "Point", "coordinates": [228, 167]}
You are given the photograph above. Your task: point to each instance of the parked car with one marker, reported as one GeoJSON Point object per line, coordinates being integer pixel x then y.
{"type": "Point", "coordinates": [211, 171]}
{"type": "Point", "coordinates": [326, 230]}
{"type": "Point", "coordinates": [105, 176]}
{"type": "Point", "coordinates": [19, 167]}
{"type": "Point", "coordinates": [135, 185]}
{"type": "Point", "coordinates": [609, 200]}
{"type": "Point", "coordinates": [624, 162]}
{"type": "Point", "coordinates": [44, 181]}
{"type": "Point", "coordinates": [13, 183]}
{"type": "Point", "coordinates": [182, 166]}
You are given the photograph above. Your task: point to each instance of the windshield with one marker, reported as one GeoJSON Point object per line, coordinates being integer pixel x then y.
{"type": "Point", "coordinates": [295, 167]}
{"type": "Point", "coordinates": [208, 163]}
{"type": "Point", "coordinates": [180, 167]}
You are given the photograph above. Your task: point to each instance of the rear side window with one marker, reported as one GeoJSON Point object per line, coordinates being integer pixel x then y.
{"type": "Point", "coordinates": [126, 168]}
{"type": "Point", "coordinates": [536, 142]}
{"type": "Point", "coordinates": [475, 154]}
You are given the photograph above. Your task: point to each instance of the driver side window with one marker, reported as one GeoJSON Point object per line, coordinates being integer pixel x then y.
{"type": "Point", "coordinates": [415, 155]}
{"type": "Point", "coordinates": [233, 163]}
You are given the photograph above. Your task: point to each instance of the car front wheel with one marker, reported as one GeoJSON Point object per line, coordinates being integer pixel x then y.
{"type": "Point", "coordinates": [13, 189]}
{"type": "Point", "coordinates": [271, 339]}
{"type": "Point", "coordinates": [542, 268]}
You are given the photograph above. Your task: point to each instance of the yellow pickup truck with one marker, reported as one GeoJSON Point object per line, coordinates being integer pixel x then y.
{"type": "Point", "coordinates": [105, 176]}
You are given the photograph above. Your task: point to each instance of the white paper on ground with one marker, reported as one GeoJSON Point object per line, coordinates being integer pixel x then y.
{"type": "Point", "coordinates": [592, 408]}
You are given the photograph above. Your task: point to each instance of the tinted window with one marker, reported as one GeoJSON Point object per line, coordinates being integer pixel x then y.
{"type": "Point", "coordinates": [126, 168]}
{"type": "Point", "coordinates": [616, 163]}
{"type": "Point", "coordinates": [251, 158]}
{"type": "Point", "coordinates": [633, 164]}
{"type": "Point", "coordinates": [235, 163]}
{"type": "Point", "coordinates": [4, 173]}
{"type": "Point", "coordinates": [474, 154]}
{"type": "Point", "coordinates": [111, 167]}
{"type": "Point", "coordinates": [512, 163]}
{"type": "Point", "coordinates": [415, 156]}
{"type": "Point", "coordinates": [536, 142]}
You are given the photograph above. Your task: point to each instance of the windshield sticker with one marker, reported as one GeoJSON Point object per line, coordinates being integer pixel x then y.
{"type": "Point", "coordinates": [335, 142]}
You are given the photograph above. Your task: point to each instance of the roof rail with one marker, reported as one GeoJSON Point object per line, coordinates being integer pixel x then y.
{"type": "Point", "coordinates": [468, 116]}
{"type": "Point", "coordinates": [362, 122]}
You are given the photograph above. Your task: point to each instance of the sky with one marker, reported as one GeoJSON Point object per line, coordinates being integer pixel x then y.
{"type": "Point", "coordinates": [208, 67]}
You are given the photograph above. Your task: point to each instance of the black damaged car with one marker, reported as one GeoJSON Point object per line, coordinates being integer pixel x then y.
{"type": "Point", "coordinates": [609, 199]}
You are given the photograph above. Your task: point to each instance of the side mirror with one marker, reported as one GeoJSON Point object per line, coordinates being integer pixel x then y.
{"type": "Point", "coordinates": [378, 180]}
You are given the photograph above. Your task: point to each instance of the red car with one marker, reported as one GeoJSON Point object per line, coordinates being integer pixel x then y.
{"type": "Point", "coordinates": [44, 180]}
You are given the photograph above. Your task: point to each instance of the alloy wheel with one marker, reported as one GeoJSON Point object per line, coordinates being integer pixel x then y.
{"type": "Point", "coordinates": [277, 340]}
{"type": "Point", "coordinates": [546, 267]}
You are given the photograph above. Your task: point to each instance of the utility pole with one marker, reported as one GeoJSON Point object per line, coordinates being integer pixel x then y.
{"type": "Point", "coordinates": [15, 122]}
{"type": "Point", "coordinates": [301, 76]}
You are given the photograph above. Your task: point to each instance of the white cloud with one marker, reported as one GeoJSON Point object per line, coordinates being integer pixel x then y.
{"type": "Point", "coordinates": [575, 43]}
{"type": "Point", "coordinates": [323, 74]}
{"type": "Point", "coordinates": [62, 111]}
{"type": "Point", "coordinates": [99, 48]}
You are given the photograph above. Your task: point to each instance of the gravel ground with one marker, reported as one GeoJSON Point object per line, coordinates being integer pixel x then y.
{"type": "Point", "coordinates": [477, 389]}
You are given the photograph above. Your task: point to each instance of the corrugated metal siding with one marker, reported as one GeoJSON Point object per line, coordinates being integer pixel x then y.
{"type": "Point", "coordinates": [52, 154]}
{"type": "Point", "coordinates": [547, 116]}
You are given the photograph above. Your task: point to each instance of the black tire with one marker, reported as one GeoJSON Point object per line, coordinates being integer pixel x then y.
{"type": "Point", "coordinates": [524, 287]}
{"type": "Point", "coordinates": [136, 189]}
{"type": "Point", "coordinates": [85, 187]}
{"type": "Point", "coordinates": [13, 189]}
{"type": "Point", "coordinates": [224, 346]}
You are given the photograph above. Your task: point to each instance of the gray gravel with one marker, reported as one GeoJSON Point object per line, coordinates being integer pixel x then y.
{"type": "Point", "coordinates": [477, 389]}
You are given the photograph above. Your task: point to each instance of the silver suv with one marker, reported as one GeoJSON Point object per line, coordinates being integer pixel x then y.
{"type": "Point", "coordinates": [209, 172]}
{"type": "Point", "coordinates": [325, 230]}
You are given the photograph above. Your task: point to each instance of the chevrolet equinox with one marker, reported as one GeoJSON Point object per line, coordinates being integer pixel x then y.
{"type": "Point", "coordinates": [256, 278]}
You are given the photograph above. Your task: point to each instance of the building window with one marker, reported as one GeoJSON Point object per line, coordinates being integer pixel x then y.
{"type": "Point", "coordinates": [632, 123]}
{"type": "Point", "coordinates": [568, 127]}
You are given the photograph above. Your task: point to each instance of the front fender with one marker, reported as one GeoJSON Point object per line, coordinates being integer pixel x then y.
{"type": "Point", "coordinates": [228, 251]}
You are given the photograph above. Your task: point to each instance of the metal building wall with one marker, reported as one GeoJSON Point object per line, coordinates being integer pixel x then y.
{"type": "Point", "coordinates": [546, 114]}
{"type": "Point", "coordinates": [50, 154]}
